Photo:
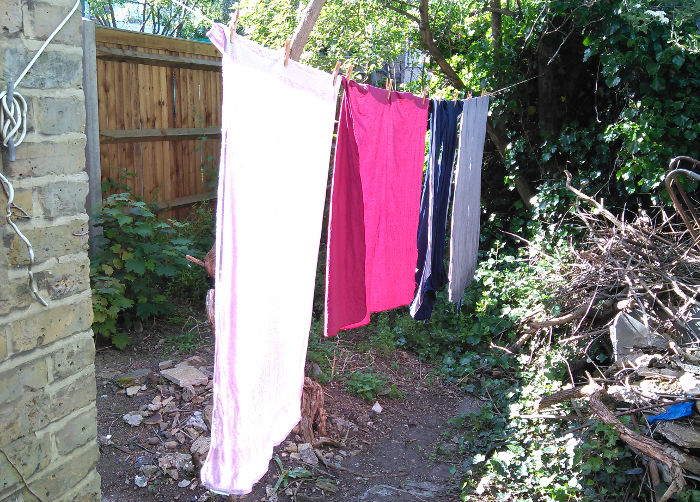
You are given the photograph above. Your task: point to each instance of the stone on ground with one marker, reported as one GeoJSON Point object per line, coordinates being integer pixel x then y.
{"type": "Point", "coordinates": [185, 375]}
{"type": "Point", "coordinates": [133, 420]}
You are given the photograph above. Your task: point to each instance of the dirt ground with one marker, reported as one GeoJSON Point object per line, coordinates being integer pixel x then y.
{"type": "Point", "coordinates": [405, 452]}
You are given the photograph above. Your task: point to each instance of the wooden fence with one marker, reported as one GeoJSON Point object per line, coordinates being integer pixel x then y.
{"type": "Point", "coordinates": [159, 106]}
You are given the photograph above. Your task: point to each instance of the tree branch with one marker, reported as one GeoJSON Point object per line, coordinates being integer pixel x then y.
{"type": "Point", "coordinates": [492, 10]}
{"type": "Point", "coordinates": [304, 28]}
{"type": "Point", "coordinates": [496, 132]}
{"type": "Point", "coordinates": [403, 13]}
{"type": "Point", "coordinates": [434, 50]}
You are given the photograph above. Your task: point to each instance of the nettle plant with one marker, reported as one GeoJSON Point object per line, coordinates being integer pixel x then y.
{"type": "Point", "coordinates": [138, 256]}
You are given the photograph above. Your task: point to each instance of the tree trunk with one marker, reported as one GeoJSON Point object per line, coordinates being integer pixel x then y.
{"type": "Point", "coordinates": [306, 25]}
{"type": "Point", "coordinates": [496, 24]}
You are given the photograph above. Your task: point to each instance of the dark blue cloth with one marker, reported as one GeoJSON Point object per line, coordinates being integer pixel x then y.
{"type": "Point", "coordinates": [675, 411]}
{"type": "Point", "coordinates": [432, 225]}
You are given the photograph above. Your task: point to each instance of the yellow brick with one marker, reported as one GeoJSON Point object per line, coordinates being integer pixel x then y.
{"type": "Point", "coordinates": [23, 199]}
{"type": "Point", "coordinates": [50, 325]}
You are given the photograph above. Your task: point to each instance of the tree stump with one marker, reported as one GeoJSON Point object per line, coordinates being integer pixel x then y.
{"type": "Point", "coordinates": [312, 410]}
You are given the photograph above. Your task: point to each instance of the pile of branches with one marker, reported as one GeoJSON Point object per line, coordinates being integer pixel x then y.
{"type": "Point", "coordinates": [650, 266]}
{"type": "Point", "coordinates": [647, 268]}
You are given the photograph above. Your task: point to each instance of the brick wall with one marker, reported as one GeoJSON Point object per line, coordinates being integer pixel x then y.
{"type": "Point", "coordinates": [47, 373]}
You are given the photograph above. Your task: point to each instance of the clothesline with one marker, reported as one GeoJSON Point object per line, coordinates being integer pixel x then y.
{"type": "Point", "coordinates": [212, 22]}
{"type": "Point", "coordinates": [195, 12]}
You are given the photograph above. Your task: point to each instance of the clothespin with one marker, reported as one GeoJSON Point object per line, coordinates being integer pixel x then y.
{"type": "Point", "coordinates": [388, 88]}
{"type": "Point", "coordinates": [286, 52]}
{"type": "Point", "coordinates": [335, 71]}
{"type": "Point", "coordinates": [469, 95]}
{"type": "Point", "coordinates": [424, 93]}
{"type": "Point", "coordinates": [349, 75]}
{"type": "Point", "coordinates": [233, 24]}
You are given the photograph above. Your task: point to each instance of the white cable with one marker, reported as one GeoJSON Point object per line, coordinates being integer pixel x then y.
{"type": "Point", "coordinates": [13, 115]}
{"type": "Point", "coordinates": [10, 192]}
{"type": "Point", "coordinates": [13, 118]}
{"type": "Point", "coordinates": [195, 12]}
{"type": "Point", "coordinates": [13, 129]}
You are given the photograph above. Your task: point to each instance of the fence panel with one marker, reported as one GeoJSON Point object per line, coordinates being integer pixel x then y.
{"type": "Point", "coordinates": [160, 116]}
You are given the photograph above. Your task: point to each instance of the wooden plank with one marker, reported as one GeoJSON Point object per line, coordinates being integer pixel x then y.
{"type": "Point", "coordinates": [131, 135]}
{"type": "Point", "coordinates": [146, 58]}
{"type": "Point", "coordinates": [134, 39]}
{"type": "Point", "coordinates": [141, 130]}
{"type": "Point", "coordinates": [186, 120]}
{"type": "Point", "coordinates": [145, 104]}
{"type": "Point", "coordinates": [187, 200]}
{"type": "Point", "coordinates": [162, 110]}
{"type": "Point", "coordinates": [109, 101]}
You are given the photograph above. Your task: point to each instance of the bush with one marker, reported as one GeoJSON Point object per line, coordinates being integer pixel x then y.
{"type": "Point", "coordinates": [138, 256]}
{"type": "Point", "coordinates": [192, 282]}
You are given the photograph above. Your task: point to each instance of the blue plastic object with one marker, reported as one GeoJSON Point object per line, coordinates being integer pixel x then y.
{"type": "Point", "coordinates": [679, 410]}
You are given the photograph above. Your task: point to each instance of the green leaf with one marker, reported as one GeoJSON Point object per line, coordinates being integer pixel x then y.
{"type": "Point", "coordinates": [136, 266]}
{"type": "Point", "coordinates": [121, 340]}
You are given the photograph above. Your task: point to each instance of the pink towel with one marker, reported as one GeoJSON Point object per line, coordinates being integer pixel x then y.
{"type": "Point", "coordinates": [276, 139]}
{"type": "Point", "coordinates": [373, 221]}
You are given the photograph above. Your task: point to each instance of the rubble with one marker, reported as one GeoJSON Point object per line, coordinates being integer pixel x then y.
{"type": "Point", "coordinates": [133, 420]}
{"type": "Point", "coordinates": [184, 375]}
{"type": "Point", "coordinates": [636, 280]}
{"type": "Point", "coordinates": [306, 453]}
{"type": "Point", "coordinates": [200, 446]}
{"type": "Point", "coordinates": [136, 377]}
{"type": "Point", "coordinates": [684, 436]}
{"type": "Point", "coordinates": [178, 414]}
{"type": "Point", "coordinates": [176, 461]}
{"type": "Point", "coordinates": [133, 390]}
{"type": "Point", "coordinates": [164, 365]}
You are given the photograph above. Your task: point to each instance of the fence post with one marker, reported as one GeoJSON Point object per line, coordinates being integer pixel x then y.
{"type": "Point", "coordinates": [92, 129]}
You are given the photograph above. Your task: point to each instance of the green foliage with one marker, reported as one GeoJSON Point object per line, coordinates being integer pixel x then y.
{"type": "Point", "coordinates": [162, 17]}
{"type": "Point", "coordinates": [505, 287]}
{"type": "Point", "coordinates": [189, 337]}
{"type": "Point", "coordinates": [366, 385]}
{"type": "Point", "coordinates": [138, 254]}
{"type": "Point", "coordinates": [288, 475]}
{"type": "Point", "coordinates": [535, 459]}
{"type": "Point", "coordinates": [363, 31]}
{"type": "Point", "coordinates": [199, 227]}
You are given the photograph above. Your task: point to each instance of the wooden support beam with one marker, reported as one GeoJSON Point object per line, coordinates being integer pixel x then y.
{"type": "Point", "coordinates": [111, 54]}
{"type": "Point", "coordinates": [135, 39]}
{"type": "Point", "coordinates": [92, 131]}
{"type": "Point", "coordinates": [138, 135]}
{"type": "Point", "coordinates": [186, 201]}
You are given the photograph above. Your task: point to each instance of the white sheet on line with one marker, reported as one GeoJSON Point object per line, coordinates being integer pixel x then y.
{"type": "Point", "coordinates": [277, 126]}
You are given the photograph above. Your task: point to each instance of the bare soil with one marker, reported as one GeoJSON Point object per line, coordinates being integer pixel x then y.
{"type": "Point", "coordinates": [406, 452]}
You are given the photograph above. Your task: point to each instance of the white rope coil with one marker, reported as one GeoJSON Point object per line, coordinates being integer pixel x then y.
{"type": "Point", "coordinates": [13, 118]}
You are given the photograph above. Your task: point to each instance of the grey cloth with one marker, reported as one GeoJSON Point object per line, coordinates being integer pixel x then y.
{"type": "Point", "coordinates": [464, 239]}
